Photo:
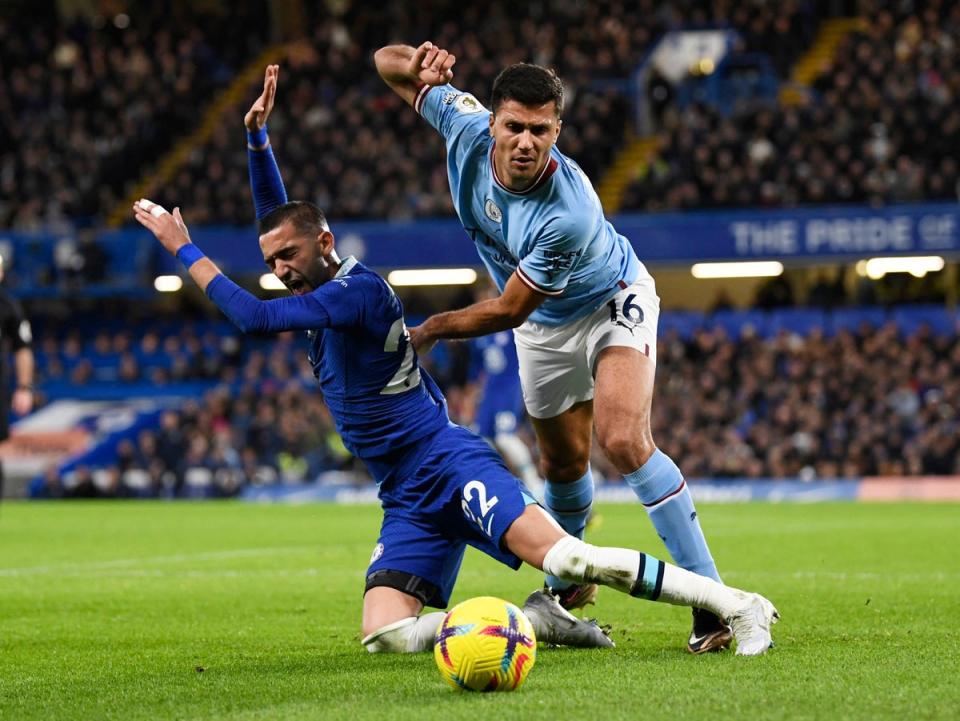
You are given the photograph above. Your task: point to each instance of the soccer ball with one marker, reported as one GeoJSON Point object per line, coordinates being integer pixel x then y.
{"type": "Point", "coordinates": [485, 644]}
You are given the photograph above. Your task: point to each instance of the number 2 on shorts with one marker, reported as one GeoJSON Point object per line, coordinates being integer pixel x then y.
{"type": "Point", "coordinates": [485, 505]}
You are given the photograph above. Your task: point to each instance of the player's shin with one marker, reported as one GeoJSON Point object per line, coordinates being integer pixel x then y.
{"type": "Point", "coordinates": [638, 574]}
{"type": "Point", "coordinates": [569, 504]}
{"type": "Point", "coordinates": [408, 635]}
{"type": "Point", "coordinates": [661, 488]}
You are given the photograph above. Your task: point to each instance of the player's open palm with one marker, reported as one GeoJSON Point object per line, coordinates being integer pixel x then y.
{"type": "Point", "coordinates": [432, 65]}
{"type": "Point", "coordinates": [258, 113]}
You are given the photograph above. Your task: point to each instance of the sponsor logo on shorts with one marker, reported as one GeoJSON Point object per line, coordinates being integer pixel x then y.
{"type": "Point", "coordinates": [377, 552]}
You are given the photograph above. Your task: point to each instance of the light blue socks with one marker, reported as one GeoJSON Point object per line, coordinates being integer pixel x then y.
{"type": "Point", "coordinates": [659, 485]}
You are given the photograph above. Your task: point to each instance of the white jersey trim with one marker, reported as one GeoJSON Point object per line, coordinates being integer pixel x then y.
{"type": "Point", "coordinates": [418, 101]}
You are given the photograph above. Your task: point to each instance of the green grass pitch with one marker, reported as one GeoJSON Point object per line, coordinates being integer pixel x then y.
{"type": "Point", "coordinates": [237, 611]}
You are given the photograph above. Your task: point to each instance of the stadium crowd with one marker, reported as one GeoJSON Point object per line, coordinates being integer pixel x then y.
{"type": "Point", "coordinates": [126, 87]}
{"type": "Point", "coordinates": [865, 402]}
{"type": "Point", "coordinates": [349, 144]}
{"type": "Point", "coordinates": [88, 104]}
{"type": "Point", "coordinates": [883, 127]}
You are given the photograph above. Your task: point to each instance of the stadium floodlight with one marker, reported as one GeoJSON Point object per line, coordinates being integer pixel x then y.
{"type": "Point", "coordinates": [745, 269]}
{"type": "Point", "coordinates": [917, 266]}
{"type": "Point", "coordinates": [268, 281]}
{"type": "Point", "coordinates": [432, 276]}
{"type": "Point", "coordinates": [168, 283]}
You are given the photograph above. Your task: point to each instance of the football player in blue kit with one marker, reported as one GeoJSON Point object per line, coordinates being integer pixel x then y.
{"type": "Point", "coordinates": [441, 487]}
{"type": "Point", "coordinates": [583, 307]}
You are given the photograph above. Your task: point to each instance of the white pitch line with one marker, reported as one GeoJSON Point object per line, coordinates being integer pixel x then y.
{"type": "Point", "coordinates": [94, 566]}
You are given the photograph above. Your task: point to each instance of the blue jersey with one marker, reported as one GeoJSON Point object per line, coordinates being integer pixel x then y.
{"type": "Point", "coordinates": [441, 487]}
{"type": "Point", "coordinates": [380, 399]}
{"type": "Point", "coordinates": [553, 234]}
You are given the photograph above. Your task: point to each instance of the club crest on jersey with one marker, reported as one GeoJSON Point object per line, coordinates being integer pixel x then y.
{"type": "Point", "coordinates": [493, 211]}
{"type": "Point", "coordinates": [377, 552]}
{"type": "Point", "coordinates": [468, 104]}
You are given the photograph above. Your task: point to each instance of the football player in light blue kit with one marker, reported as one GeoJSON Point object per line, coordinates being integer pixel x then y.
{"type": "Point", "coordinates": [441, 487]}
{"type": "Point", "coordinates": [584, 308]}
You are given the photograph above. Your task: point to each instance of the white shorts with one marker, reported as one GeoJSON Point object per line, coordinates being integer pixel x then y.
{"type": "Point", "coordinates": [557, 363]}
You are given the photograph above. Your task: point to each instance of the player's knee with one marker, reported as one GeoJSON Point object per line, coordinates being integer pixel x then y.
{"type": "Point", "coordinates": [627, 447]}
{"type": "Point", "coordinates": [392, 638]}
{"type": "Point", "coordinates": [564, 470]}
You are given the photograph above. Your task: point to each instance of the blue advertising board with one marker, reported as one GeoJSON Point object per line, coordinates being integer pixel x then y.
{"type": "Point", "coordinates": [798, 235]}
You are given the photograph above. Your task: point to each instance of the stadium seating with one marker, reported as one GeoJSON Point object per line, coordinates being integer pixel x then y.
{"type": "Point", "coordinates": [87, 105]}
{"type": "Point", "coordinates": [792, 392]}
{"type": "Point", "coordinates": [347, 142]}
{"type": "Point", "coordinates": [756, 392]}
{"type": "Point", "coordinates": [128, 87]}
{"type": "Point", "coordinates": [883, 126]}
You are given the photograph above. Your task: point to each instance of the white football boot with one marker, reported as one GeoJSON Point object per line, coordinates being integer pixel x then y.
{"type": "Point", "coordinates": [751, 624]}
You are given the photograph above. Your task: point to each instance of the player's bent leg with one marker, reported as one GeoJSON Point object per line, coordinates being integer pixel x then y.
{"type": "Point", "coordinates": [564, 442]}
{"type": "Point", "coordinates": [640, 575]}
{"type": "Point", "coordinates": [623, 430]}
{"type": "Point", "coordinates": [392, 624]}
{"type": "Point", "coordinates": [413, 565]}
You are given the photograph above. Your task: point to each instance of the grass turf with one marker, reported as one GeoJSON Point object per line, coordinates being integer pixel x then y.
{"type": "Point", "coordinates": [235, 611]}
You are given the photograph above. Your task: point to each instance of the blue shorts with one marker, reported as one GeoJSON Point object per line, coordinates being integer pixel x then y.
{"type": "Point", "coordinates": [460, 493]}
{"type": "Point", "coordinates": [494, 416]}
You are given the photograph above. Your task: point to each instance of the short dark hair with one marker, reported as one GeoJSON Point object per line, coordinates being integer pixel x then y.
{"type": "Point", "coordinates": [307, 218]}
{"type": "Point", "coordinates": [528, 84]}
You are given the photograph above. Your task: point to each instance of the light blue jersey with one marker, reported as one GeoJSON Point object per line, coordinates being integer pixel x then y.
{"type": "Point", "coordinates": [553, 234]}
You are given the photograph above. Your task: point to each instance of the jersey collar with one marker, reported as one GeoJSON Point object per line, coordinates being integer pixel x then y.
{"type": "Point", "coordinates": [346, 266]}
{"type": "Point", "coordinates": [548, 170]}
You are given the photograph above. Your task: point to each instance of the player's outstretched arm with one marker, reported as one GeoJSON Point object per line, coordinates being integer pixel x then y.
{"type": "Point", "coordinates": [266, 182]}
{"type": "Point", "coordinates": [508, 310]}
{"type": "Point", "coordinates": [406, 69]}
{"type": "Point", "coordinates": [247, 312]}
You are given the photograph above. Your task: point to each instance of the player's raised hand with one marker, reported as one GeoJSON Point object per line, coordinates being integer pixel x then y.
{"type": "Point", "coordinates": [432, 65]}
{"type": "Point", "coordinates": [258, 113]}
{"type": "Point", "coordinates": [169, 229]}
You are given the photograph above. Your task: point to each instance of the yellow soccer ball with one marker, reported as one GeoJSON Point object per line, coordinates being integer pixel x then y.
{"type": "Point", "coordinates": [485, 644]}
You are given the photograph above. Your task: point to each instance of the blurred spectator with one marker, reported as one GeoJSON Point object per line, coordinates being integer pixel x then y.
{"type": "Point", "coordinates": [87, 103]}
{"type": "Point", "coordinates": [884, 127]}
{"type": "Point", "coordinates": [868, 402]}
{"type": "Point", "coordinates": [370, 157]}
